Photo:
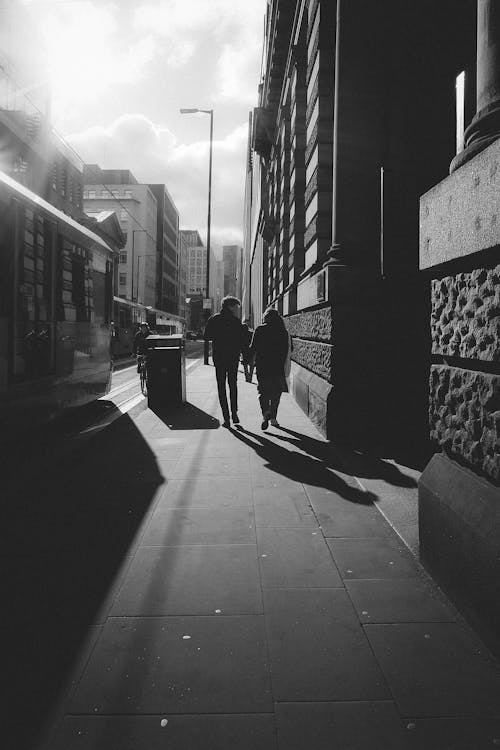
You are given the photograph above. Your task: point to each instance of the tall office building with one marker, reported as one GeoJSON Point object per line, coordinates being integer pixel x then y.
{"type": "Point", "coordinates": [182, 255]}
{"type": "Point", "coordinates": [197, 262]}
{"type": "Point", "coordinates": [232, 256]}
{"type": "Point", "coordinates": [196, 282]}
{"type": "Point", "coordinates": [167, 242]}
{"type": "Point", "coordinates": [137, 209]}
{"type": "Point", "coordinates": [216, 282]}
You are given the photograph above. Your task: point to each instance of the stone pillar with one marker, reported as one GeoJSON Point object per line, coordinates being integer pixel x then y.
{"type": "Point", "coordinates": [485, 126]}
{"type": "Point", "coordinates": [459, 491]}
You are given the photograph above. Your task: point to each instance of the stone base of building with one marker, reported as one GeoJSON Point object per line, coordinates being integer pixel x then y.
{"type": "Point", "coordinates": [312, 394]}
{"type": "Point", "coordinates": [459, 515]}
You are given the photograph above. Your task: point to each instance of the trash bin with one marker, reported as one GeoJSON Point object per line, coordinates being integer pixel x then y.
{"type": "Point", "coordinates": [166, 368]}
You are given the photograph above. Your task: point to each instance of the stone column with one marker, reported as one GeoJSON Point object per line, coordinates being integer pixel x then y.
{"type": "Point", "coordinates": [485, 126]}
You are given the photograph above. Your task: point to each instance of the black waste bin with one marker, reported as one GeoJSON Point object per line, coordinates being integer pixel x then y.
{"type": "Point", "coordinates": [166, 368]}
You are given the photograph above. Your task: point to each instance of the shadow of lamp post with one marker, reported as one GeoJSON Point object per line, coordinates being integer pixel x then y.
{"type": "Point", "coordinates": [207, 293]}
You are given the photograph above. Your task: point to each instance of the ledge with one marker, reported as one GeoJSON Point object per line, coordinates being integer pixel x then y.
{"type": "Point", "coordinates": [460, 216]}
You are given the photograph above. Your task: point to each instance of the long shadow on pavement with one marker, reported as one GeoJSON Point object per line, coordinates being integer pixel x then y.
{"type": "Point", "coordinates": [348, 461]}
{"type": "Point", "coordinates": [69, 524]}
{"type": "Point", "coordinates": [301, 468]}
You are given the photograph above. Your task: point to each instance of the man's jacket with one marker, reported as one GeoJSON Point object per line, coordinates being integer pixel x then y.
{"type": "Point", "coordinates": [226, 333]}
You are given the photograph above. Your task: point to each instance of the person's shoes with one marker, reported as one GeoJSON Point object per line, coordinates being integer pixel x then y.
{"type": "Point", "coordinates": [236, 419]}
{"type": "Point", "coordinates": [226, 424]}
{"type": "Point", "coordinates": [265, 423]}
{"type": "Point", "coordinates": [274, 422]}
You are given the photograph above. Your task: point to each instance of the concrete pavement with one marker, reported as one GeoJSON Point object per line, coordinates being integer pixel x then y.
{"type": "Point", "coordinates": [260, 600]}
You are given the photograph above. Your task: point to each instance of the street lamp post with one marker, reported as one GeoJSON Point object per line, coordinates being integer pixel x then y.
{"type": "Point", "coordinates": [211, 113]}
{"type": "Point", "coordinates": [134, 232]}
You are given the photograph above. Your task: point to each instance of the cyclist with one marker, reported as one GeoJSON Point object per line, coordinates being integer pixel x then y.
{"type": "Point", "coordinates": [139, 345]}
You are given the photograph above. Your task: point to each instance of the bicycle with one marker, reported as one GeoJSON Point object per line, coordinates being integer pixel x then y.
{"type": "Point", "coordinates": [143, 373]}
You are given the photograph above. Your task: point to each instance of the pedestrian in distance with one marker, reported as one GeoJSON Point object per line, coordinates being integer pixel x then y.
{"type": "Point", "coordinates": [271, 347]}
{"type": "Point", "coordinates": [246, 359]}
{"type": "Point", "coordinates": [226, 333]}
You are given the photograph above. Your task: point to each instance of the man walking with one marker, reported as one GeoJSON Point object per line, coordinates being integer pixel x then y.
{"type": "Point", "coordinates": [225, 331]}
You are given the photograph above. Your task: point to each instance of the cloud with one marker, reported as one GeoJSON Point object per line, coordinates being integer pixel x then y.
{"type": "Point", "coordinates": [232, 28]}
{"type": "Point", "coordinates": [154, 154]}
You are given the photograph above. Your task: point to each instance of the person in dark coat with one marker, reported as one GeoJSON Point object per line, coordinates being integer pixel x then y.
{"type": "Point", "coordinates": [246, 359]}
{"type": "Point", "coordinates": [270, 348]}
{"type": "Point", "coordinates": [226, 333]}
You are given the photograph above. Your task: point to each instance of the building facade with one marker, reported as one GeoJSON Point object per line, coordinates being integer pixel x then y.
{"type": "Point", "coordinates": [216, 282]}
{"type": "Point", "coordinates": [182, 254]}
{"type": "Point", "coordinates": [137, 209]}
{"type": "Point", "coordinates": [196, 277]}
{"type": "Point", "coordinates": [197, 262]}
{"type": "Point", "coordinates": [357, 118]}
{"type": "Point", "coordinates": [32, 153]}
{"type": "Point", "coordinates": [167, 234]}
{"type": "Point", "coordinates": [232, 257]}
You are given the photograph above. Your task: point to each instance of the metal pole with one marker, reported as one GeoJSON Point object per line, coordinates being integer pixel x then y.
{"type": "Point", "coordinates": [137, 277]}
{"type": "Point", "coordinates": [133, 253]}
{"type": "Point", "coordinates": [211, 112]}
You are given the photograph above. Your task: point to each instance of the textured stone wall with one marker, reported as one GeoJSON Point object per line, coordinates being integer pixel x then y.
{"type": "Point", "coordinates": [465, 417]}
{"type": "Point", "coordinates": [316, 324]}
{"type": "Point", "coordinates": [314, 355]}
{"type": "Point", "coordinates": [465, 318]}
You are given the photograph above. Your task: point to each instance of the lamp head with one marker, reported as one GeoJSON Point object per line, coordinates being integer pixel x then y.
{"type": "Point", "coordinates": [188, 111]}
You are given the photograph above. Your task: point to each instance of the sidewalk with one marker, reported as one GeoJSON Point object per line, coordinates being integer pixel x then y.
{"type": "Point", "coordinates": [263, 601]}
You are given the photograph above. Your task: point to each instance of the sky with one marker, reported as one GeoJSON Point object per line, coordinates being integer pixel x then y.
{"type": "Point", "coordinates": [120, 71]}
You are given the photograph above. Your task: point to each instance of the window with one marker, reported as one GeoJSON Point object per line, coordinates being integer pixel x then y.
{"type": "Point", "coordinates": [64, 181]}
{"type": "Point", "coordinates": [91, 194]}
{"type": "Point", "coordinates": [123, 257]}
{"type": "Point", "coordinates": [313, 163]}
{"type": "Point", "coordinates": [313, 121]}
{"type": "Point", "coordinates": [312, 209]}
{"type": "Point", "coordinates": [312, 79]}
{"type": "Point", "coordinates": [123, 279]}
{"type": "Point", "coordinates": [54, 175]}
{"type": "Point", "coordinates": [314, 32]}
{"type": "Point", "coordinates": [123, 215]}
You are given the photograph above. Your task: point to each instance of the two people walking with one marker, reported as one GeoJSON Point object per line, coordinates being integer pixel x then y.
{"type": "Point", "coordinates": [269, 350]}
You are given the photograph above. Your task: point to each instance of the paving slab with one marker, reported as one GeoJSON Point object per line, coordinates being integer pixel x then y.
{"type": "Point", "coordinates": [177, 526]}
{"type": "Point", "coordinates": [191, 581]}
{"type": "Point", "coordinates": [347, 726]}
{"type": "Point", "coordinates": [339, 517]}
{"type": "Point", "coordinates": [192, 466]}
{"type": "Point", "coordinates": [288, 508]}
{"type": "Point", "coordinates": [373, 558]}
{"type": "Point", "coordinates": [218, 732]}
{"type": "Point", "coordinates": [318, 650]}
{"type": "Point", "coordinates": [295, 558]}
{"type": "Point", "coordinates": [212, 492]}
{"type": "Point", "coordinates": [154, 665]}
{"type": "Point", "coordinates": [398, 600]}
{"type": "Point", "coordinates": [437, 669]}
{"type": "Point", "coordinates": [453, 734]}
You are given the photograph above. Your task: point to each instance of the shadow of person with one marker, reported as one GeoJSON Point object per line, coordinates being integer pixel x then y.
{"type": "Point", "coordinates": [301, 468]}
{"type": "Point", "coordinates": [348, 461]}
{"type": "Point", "coordinates": [184, 416]}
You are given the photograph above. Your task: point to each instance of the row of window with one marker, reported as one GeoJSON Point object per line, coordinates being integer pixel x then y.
{"type": "Point", "coordinates": [106, 193]}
